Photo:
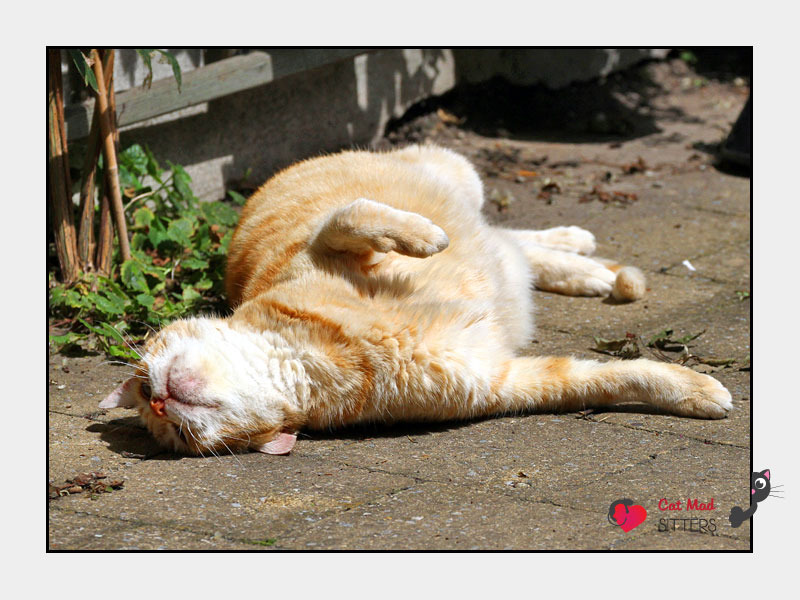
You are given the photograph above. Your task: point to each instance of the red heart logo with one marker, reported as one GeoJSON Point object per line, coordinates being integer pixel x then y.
{"type": "Point", "coordinates": [629, 517]}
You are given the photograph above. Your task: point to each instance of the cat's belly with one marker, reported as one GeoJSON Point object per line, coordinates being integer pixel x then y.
{"type": "Point", "coordinates": [483, 273]}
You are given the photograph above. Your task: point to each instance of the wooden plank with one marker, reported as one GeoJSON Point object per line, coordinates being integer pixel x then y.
{"type": "Point", "coordinates": [207, 83]}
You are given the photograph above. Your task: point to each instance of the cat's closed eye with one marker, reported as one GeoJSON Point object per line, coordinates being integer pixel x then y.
{"type": "Point", "coordinates": [146, 391]}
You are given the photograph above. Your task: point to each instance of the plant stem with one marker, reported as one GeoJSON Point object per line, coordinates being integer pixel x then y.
{"type": "Point", "coordinates": [58, 170]}
{"type": "Point", "coordinates": [86, 212]}
{"type": "Point", "coordinates": [110, 155]}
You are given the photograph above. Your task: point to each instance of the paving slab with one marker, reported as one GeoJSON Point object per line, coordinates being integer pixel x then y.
{"type": "Point", "coordinates": [234, 497]}
{"type": "Point", "coordinates": [436, 516]}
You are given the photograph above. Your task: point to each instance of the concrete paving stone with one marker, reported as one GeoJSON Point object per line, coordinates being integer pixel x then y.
{"type": "Point", "coordinates": [76, 445]}
{"type": "Point", "coordinates": [86, 381]}
{"type": "Point", "coordinates": [699, 472]}
{"type": "Point", "coordinates": [245, 497]}
{"type": "Point", "coordinates": [77, 531]}
{"type": "Point", "coordinates": [550, 451]}
{"type": "Point", "coordinates": [730, 265]}
{"type": "Point", "coordinates": [434, 516]}
{"type": "Point", "coordinates": [669, 299]}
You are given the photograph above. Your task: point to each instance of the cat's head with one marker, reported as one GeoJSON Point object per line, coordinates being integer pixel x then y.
{"type": "Point", "coordinates": [204, 386]}
{"type": "Point", "coordinates": [759, 485]}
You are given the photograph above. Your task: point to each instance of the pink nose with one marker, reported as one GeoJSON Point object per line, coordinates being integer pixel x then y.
{"type": "Point", "coordinates": [182, 386]}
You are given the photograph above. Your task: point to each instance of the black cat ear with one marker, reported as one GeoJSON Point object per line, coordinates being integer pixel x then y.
{"type": "Point", "coordinates": [765, 473]}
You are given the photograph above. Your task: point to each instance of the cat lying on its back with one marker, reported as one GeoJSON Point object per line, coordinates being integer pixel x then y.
{"type": "Point", "coordinates": [368, 287]}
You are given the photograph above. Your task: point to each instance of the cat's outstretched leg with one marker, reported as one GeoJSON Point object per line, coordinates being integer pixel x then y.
{"type": "Point", "coordinates": [568, 239]}
{"type": "Point", "coordinates": [566, 272]}
{"type": "Point", "coordinates": [366, 226]}
{"type": "Point", "coordinates": [567, 384]}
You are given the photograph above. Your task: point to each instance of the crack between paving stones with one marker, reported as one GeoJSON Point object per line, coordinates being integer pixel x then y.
{"type": "Point", "coordinates": [672, 433]}
{"type": "Point", "coordinates": [719, 212]}
{"type": "Point", "coordinates": [423, 480]}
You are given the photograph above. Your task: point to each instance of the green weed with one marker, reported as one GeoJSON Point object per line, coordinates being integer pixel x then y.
{"type": "Point", "coordinates": [178, 248]}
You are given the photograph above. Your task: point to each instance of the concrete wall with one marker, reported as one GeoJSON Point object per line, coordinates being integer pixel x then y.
{"type": "Point", "coordinates": [551, 68]}
{"type": "Point", "coordinates": [346, 103]}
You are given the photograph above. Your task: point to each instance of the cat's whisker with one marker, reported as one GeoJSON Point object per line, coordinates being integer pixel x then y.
{"type": "Point", "coordinates": [197, 443]}
{"type": "Point", "coordinates": [150, 327]}
{"type": "Point", "coordinates": [115, 362]}
{"type": "Point", "coordinates": [231, 451]}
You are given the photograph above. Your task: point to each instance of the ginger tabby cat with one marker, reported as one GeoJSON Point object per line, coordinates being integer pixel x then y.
{"type": "Point", "coordinates": [367, 287]}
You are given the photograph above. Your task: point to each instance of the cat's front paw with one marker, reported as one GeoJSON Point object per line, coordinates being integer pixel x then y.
{"type": "Point", "coordinates": [420, 238]}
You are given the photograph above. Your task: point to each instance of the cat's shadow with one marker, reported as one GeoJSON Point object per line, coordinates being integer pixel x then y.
{"type": "Point", "coordinates": [400, 430]}
{"type": "Point", "coordinates": [127, 437]}
{"type": "Point", "coordinates": [379, 430]}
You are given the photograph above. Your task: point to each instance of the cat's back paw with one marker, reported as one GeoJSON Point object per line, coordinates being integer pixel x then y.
{"type": "Point", "coordinates": [709, 399]}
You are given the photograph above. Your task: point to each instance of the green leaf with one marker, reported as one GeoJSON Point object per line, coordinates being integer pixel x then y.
{"type": "Point", "coordinates": [176, 68]}
{"type": "Point", "coordinates": [105, 305]}
{"type": "Point", "coordinates": [153, 168]}
{"type": "Point", "coordinates": [190, 294]}
{"type": "Point", "coordinates": [68, 298]}
{"type": "Point", "coordinates": [145, 54]}
{"type": "Point", "coordinates": [134, 159]}
{"type": "Point", "coordinates": [217, 212]}
{"type": "Point", "coordinates": [122, 352]}
{"type": "Point", "coordinates": [663, 335]}
{"type": "Point", "coordinates": [237, 197]}
{"type": "Point", "coordinates": [181, 181]}
{"type": "Point", "coordinates": [137, 241]}
{"type": "Point", "coordinates": [133, 276]}
{"type": "Point", "coordinates": [194, 263]}
{"type": "Point", "coordinates": [82, 64]}
{"type": "Point", "coordinates": [145, 300]}
{"type": "Point", "coordinates": [180, 231]}
{"type": "Point", "coordinates": [143, 216]}
{"type": "Point", "coordinates": [204, 284]}
{"type": "Point", "coordinates": [688, 338]}
{"type": "Point", "coordinates": [157, 233]}
{"type": "Point", "coordinates": [68, 339]}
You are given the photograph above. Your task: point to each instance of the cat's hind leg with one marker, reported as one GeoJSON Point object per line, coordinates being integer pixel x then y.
{"type": "Point", "coordinates": [572, 274]}
{"type": "Point", "coordinates": [568, 239]}
{"type": "Point", "coordinates": [567, 384]}
{"type": "Point", "coordinates": [365, 226]}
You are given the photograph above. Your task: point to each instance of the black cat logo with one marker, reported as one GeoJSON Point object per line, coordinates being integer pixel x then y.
{"type": "Point", "coordinates": [759, 491]}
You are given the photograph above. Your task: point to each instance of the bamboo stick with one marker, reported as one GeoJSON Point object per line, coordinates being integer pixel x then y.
{"type": "Point", "coordinates": [110, 156]}
{"type": "Point", "coordinates": [105, 235]}
{"type": "Point", "coordinates": [58, 170]}
{"type": "Point", "coordinates": [89, 171]}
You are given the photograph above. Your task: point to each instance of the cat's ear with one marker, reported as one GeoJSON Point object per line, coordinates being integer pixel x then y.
{"type": "Point", "coordinates": [282, 444]}
{"type": "Point", "coordinates": [766, 473]}
{"type": "Point", "coordinates": [125, 396]}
